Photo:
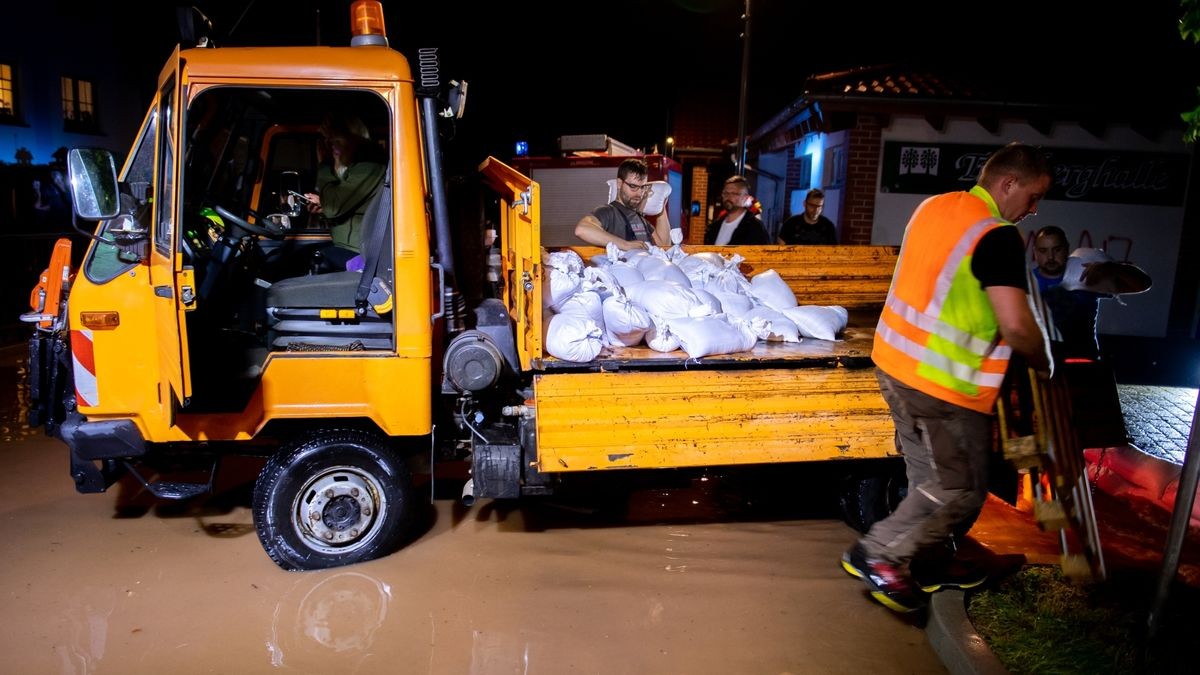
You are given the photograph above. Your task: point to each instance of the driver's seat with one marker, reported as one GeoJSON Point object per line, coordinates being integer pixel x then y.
{"type": "Point", "coordinates": [341, 311]}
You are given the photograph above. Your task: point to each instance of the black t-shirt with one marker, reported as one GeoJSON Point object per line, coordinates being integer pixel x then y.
{"type": "Point", "coordinates": [624, 222]}
{"type": "Point", "coordinates": [999, 259]}
{"type": "Point", "coordinates": [796, 231]}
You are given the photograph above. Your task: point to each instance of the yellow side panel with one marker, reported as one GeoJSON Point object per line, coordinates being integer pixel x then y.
{"type": "Point", "coordinates": [393, 392]}
{"type": "Point", "coordinates": [611, 420]}
{"type": "Point", "coordinates": [520, 234]}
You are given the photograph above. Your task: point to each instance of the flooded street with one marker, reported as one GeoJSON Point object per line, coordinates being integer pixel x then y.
{"type": "Point", "coordinates": [716, 573]}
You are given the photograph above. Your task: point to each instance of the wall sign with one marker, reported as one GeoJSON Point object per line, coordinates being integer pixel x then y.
{"type": "Point", "coordinates": [1110, 176]}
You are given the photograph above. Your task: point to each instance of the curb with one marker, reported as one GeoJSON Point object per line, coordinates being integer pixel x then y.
{"type": "Point", "coordinates": [953, 637]}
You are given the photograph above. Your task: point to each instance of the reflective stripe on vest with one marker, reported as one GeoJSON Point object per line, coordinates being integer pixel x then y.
{"type": "Point", "coordinates": [945, 360]}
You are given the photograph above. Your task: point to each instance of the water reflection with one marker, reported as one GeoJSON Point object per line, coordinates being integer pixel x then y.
{"type": "Point", "coordinates": [87, 618]}
{"type": "Point", "coordinates": [323, 614]}
{"type": "Point", "coordinates": [14, 398]}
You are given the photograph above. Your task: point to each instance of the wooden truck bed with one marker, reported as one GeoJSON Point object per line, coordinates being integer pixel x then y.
{"type": "Point", "coordinates": [633, 407]}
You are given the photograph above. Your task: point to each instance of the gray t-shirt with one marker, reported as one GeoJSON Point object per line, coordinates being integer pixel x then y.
{"type": "Point", "coordinates": [622, 221]}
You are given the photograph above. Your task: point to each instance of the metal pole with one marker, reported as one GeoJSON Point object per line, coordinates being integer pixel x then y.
{"type": "Point", "coordinates": [1185, 497]}
{"type": "Point", "coordinates": [741, 154]}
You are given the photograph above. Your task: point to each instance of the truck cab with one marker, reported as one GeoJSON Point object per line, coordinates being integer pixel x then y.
{"type": "Point", "coordinates": [201, 317]}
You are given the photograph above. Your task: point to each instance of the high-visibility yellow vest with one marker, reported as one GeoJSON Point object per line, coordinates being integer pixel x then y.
{"type": "Point", "coordinates": [938, 332]}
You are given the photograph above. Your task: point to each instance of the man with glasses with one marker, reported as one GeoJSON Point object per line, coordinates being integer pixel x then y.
{"type": "Point", "coordinates": [810, 227]}
{"type": "Point", "coordinates": [621, 221]}
{"type": "Point", "coordinates": [736, 225]}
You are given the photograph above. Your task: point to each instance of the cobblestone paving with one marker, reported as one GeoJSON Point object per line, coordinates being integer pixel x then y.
{"type": "Point", "coordinates": [1158, 419]}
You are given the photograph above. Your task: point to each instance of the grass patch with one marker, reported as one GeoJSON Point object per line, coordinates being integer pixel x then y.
{"type": "Point", "coordinates": [1035, 621]}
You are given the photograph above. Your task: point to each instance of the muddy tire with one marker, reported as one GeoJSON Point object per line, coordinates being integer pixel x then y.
{"type": "Point", "coordinates": [332, 498]}
{"type": "Point", "coordinates": [870, 497]}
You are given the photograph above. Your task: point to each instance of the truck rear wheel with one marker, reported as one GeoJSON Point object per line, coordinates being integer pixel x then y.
{"type": "Point", "coordinates": [332, 498]}
{"type": "Point", "coordinates": [872, 496]}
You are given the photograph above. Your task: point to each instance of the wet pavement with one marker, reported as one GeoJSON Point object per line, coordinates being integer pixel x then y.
{"type": "Point", "coordinates": [696, 572]}
{"type": "Point", "coordinates": [1158, 418]}
{"type": "Point", "coordinates": [718, 572]}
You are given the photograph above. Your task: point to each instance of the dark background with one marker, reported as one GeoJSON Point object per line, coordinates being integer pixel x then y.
{"type": "Point", "coordinates": [625, 68]}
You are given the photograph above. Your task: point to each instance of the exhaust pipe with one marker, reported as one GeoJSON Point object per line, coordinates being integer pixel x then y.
{"type": "Point", "coordinates": [468, 493]}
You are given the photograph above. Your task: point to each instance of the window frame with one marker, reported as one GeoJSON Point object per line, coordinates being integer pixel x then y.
{"type": "Point", "coordinates": [14, 115]}
{"type": "Point", "coordinates": [78, 105]}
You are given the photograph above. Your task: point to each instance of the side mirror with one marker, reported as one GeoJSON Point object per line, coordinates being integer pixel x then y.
{"type": "Point", "coordinates": [93, 176]}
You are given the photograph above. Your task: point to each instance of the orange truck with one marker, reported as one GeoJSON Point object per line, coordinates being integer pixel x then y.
{"type": "Point", "coordinates": [200, 324]}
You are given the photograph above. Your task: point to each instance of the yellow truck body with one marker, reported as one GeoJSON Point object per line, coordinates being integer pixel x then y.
{"type": "Point", "coordinates": [199, 324]}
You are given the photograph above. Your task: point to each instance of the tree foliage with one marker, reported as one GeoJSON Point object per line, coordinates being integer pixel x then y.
{"type": "Point", "coordinates": [1189, 29]}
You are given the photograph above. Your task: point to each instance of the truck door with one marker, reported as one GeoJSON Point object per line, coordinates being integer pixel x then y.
{"type": "Point", "coordinates": [170, 295]}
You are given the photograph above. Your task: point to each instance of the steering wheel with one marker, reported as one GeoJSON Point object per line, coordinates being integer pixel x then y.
{"type": "Point", "coordinates": [243, 225]}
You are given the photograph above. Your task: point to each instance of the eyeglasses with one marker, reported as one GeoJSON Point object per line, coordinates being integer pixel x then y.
{"type": "Point", "coordinates": [635, 187]}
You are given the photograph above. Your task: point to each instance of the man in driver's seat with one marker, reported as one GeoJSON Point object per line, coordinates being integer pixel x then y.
{"type": "Point", "coordinates": [346, 180]}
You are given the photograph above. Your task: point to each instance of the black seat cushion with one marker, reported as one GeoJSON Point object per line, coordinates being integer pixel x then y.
{"type": "Point", "coordinates": [335, 289]}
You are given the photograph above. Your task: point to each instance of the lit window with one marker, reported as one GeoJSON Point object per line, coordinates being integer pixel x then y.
{"type": "Point", "coordinates": [78, 104]}
{"type": "Point", "coordinates": [8, 104]}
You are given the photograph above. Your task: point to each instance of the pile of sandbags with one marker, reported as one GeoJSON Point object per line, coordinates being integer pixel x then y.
{"type": "Point", "coordinates": [668, 300]}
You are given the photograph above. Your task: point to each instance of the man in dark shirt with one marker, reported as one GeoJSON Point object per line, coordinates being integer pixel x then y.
{"type": "Point", "coordinates": [810, 227]}
{"type": "Point", "coordinates": [621, 221]}
{"type": "Point", "coordinates": [1075, 307]}
{"type": "Point", "coordinates": [736, 224]}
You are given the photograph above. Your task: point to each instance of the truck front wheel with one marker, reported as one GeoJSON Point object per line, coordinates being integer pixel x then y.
{"type": "Point", "coordinates": [332, 498]}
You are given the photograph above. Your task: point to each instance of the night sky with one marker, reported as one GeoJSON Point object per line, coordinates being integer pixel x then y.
{"type": "Point", "coordinates": [540, 69]}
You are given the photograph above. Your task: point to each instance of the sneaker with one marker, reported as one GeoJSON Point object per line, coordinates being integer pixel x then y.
{"type": "Point", "coordinates": [955, 573]}
{"type": "Point", "coordinates": [892, 586]}
{"type": "Point", "coordinates": [854, 560]}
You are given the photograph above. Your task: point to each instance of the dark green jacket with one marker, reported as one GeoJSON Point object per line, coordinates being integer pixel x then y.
{"type": "Point", "coordinates": [344, 200]}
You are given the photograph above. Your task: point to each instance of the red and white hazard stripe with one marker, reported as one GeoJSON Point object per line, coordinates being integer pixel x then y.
{"type": "Point", "coordinates": [84, 364]}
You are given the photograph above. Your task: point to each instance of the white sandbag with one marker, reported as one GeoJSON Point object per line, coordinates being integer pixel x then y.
{"type": "Point", "coordinates": [771, 290]}
{"type": "Point", "coordinates": [656, 267]}
{"type": "Point", "coordinates": [561, 287]}
{"type": "Point", "coordinates": [667, 299]}
{"type": "Point", "coordinates": [625, 274]}
{"type": "Point", "coordinates": [624, 322]}
{"type": "Point", "coordinates": [816, 321]}
{"type": "Point", "coordinates": [1111, 278]}
{"type": "Point", "coordinates": [709, 304]}
{"type": "Point", "coordinates": [563, 261]}
{"type": "Point", "coordinates": [696, 262]}
{"type": "Point", "coordinates": [708, 335]}
{"type": "Point", "coordinates": [598, 279]}
{"type": "Point", "coordinates": [777, 327]}
{"type": "Point", "coordinates": [586, 304]}
{"type": "Point", "coordinates": [573, 338]}
{"type": "Point", "coordinates": [730, 279]}
{"type": "Point", "coordinates": [655, 199]}
{"type": "Point", "coordinates": [711, 257]}
{"type": "Point", "coordinates": [660, 337]}
{"type": "Point", "coordinates": [734, 304]}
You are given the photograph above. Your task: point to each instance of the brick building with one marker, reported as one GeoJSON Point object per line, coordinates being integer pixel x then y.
{"type": "Point", "coordinates": [878, 140]}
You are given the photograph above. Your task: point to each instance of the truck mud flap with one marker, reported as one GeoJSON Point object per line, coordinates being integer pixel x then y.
{"type": "Point", "coordinates": [106, 440]}
{"type": "Point", "coordinates": [496, 470]}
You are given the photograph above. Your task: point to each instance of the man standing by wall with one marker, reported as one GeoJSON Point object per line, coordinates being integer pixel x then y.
{"type": "Point", "coordinates": [737, 225]}
{"type": "Point", "coordinates": [810, 227]}
{"type": "Point", "coordinates": [1076, 311]}
{"type": "Point", "coordinates": [958, 308]}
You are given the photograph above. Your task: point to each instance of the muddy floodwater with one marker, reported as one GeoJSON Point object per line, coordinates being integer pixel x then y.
{"type": "Point", "coordinates": [719, 572]}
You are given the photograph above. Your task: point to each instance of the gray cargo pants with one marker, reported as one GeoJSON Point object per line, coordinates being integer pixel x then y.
{"type": "Point", "coordinates": [945, 450]}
